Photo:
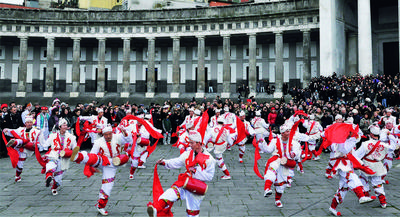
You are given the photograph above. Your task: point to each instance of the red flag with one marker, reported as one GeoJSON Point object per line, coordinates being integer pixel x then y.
{"type": "Point", "coordinates": [203, 124]}
{"type": "Point", "coordinates": [292, 132]}
{"type": "Point", "coordinates": [241, 130]}
{"type": "Point", "coordinates": [336, 133]}
{"type": "Point", "coordinates": [151, 148]}
{"type": "Point", "coordinates": [152, 131]}
{"type": "Point", "coordinates": [256, 158]}
{"type": "Point", "coordinates": [270, 137]}
{"type": "Point", "coordinates": [157, 187]}
{"type": "Point", "coordinates": [77, 127]}
{"type": "Point", "coordinates": [151, 113]}
{"type": "Point", "coordinates": [14, 156]}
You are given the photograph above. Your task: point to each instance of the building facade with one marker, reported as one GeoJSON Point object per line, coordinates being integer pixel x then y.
{"type": "Point", "coordinates": [177, 51]}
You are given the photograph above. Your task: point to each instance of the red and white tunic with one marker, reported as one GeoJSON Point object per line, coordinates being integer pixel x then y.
{"type": "Point", "coordinates": [33, 136]}
{"type": "Point", "coordinates": [260, 127]}
{"type": "Point", "coordinates": [57, 143]}
{"type": "Point", "coordinates": [372, 152]}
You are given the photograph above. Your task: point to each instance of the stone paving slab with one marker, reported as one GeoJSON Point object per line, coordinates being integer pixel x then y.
{"type": "Point", "coordinates": [310, 194]}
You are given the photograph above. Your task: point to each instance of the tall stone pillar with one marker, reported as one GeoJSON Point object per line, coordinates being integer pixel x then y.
{"type": "Point", "coordinates": [101, 68]}
{"type": "Point", "coordinates": [200, 66]}
{"type": "Point", "coordinates": [175, 67]}
{"type": "Point", "coordinates": [252, 64]}
{"type": "Point", "coordinates": [306, 58]}
{"type": "Point", "coordinates": [226, 85]}
{"type": "Point", "coordinates": [126, 66]}
{"type": "Point", "coordinates": [327, 32]}
{"type": "Point", "coordinates": [50, 79]}
{"type": "Point", "coordinates": [364, 38]}
{"type": "Point", "coordinates": [23, 66]}
{"type": "Point", "coordinates": [76, 60]}
{"type": "Point", "coordinates": [151, 82]}
{"type": "Point", "coordinates": [352, 54]}
{"type": "Point", "coordinates": [278, 64]}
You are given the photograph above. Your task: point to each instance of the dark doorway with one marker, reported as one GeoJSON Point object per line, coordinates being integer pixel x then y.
{"type": "Point", "coordinates": [56, 85]}
{"type": "Point", "coordinates": [44, 80]}
{"type": "Point", "coordinates": [247, 75]}
{"type": "Point", "coordinates": [106, 87]}
{"type": "Point", "coordinates": [195, 83]}
{"type": "Point", "coordinates": [391, 58]}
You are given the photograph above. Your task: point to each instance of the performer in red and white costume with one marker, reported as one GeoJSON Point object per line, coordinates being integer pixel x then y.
{"type": "Point", "coordinates": [213, 119]}
{"type": "Point", "coordinates": [249, 131]}
{"type": "Point", "coordinates": [191, 117]}
{"type": "Point", "coordinates": [328, 170]}
{"type": "Point", "coordinates": [140, 152]}
{"type": "Point", "coordinates": [230, 121]}
{"type": "Point", "coordinates": [389, 129]}
{"type": "Point", "coordinates": [343, 165]}
{"type": "Point", "coordinates": [98, 122]}
{"type": "Point", "coordinates": [372, 152]}
{"type": "Point", "coordinates": [200, 168]}
{"type": "Point", "coordinates": [387, 117]}
{"type": "Point", "coordinates": [105, 155]}
{"type": "Point", "coordinates": [283, 159]}
{"type": "Point", "coordinates": [24, 141]}
{"type": "Point", "coordinates": [59, 141]}
{"type": "Point", "coordinates": [217, 139]}
{"type": "Point", "coordinates": [314, 130]}
{"type": "Point", "coordinates": [183, 139]}
{"type": "Point", "coordinates": [260, 126]}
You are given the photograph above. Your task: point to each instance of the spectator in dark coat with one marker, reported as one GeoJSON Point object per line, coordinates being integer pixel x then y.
{"type": "Point", "coordinates": [13, 120]}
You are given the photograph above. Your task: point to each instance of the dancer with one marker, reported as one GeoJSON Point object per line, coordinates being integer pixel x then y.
{"type": "Point", "coordinates": [190, 186]}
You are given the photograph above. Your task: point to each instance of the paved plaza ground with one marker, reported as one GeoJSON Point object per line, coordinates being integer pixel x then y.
{"type": "Point", "coordinates": [310, 195]}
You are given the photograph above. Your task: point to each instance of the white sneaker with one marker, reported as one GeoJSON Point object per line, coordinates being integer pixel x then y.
{"type": "Point", "coordinates": [267, 192]}
{"type": "Point", "coordinates": [142, 167]}
{"type": "Point", "coordinates": [17, 178]}
{"type": "Point", "coordinates": [316, 158]}
{"type": "Point", "coordinates": [131, 177]}
{"type": "Point", "coordinates": [365, 200]}
{"type": "Point", "coordinates": [102, 211]}
{"type": "Point", "coordinates": [225, 177]}
{"type": "Point", "coordinates": [278, 204]}
{"type": "Point", "coordinates": [289, 185]}
{"type": "Point", "coordinates": [383, 205]}
{"type": "Point", "coordinates": [152, 211]}
{"type": "Point", "coordinates": [54, 192]}
{"type": "Point", "coordinates": [334, 212]}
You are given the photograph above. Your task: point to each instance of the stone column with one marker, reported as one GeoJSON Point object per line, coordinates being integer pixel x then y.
{"type": "Point", "coordinates": [175, 67]}
{"type": "Point", "coordinates": [151, 56]}
{"type": "Point", "coordinates": [76, 60]}
{"type": "Point", "coordinates": [364, 38]}
{"type": "Point", "coordinates": [352, 54]}
{"type": "Point", "coordinates": [327, 31]}
{"type": "Point", "coordinates": [200, 66]}
{"type": "Point", "coordinates": [23, 66]}
{"type": "Point", "coordinates": [226, 85]}
{"type": "Point", "coordinates": [50, 79]}
{"type": "Point", "coordinates": [126, 66]}
{"type": "Point", "coordinates": [306, 58]}
{"type": "Point", "coordinates": [278, 64]}
{"type": "Point", "coordinates": [252, 64]}
{"type": "Point", "coordinates": [101, 68]}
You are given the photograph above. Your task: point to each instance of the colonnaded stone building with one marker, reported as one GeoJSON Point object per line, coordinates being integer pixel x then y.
{"type": "Point", "coordinates": [174, 52]}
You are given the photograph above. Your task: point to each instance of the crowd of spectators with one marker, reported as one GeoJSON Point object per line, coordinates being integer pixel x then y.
{"type": "Point", "coordinates": [362, 98]}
